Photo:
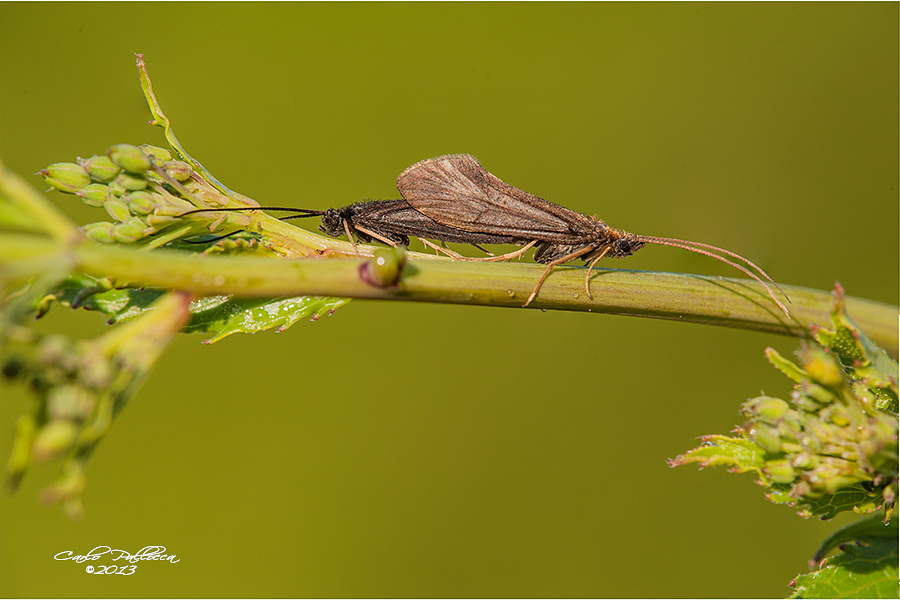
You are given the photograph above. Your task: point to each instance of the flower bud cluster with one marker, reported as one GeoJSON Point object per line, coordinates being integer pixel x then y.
{"type": "Point", "coordinates": [78, 386]}
{"type": "Point", "coordinates": [833, 445]}
{"type": "Point", "coordinates": [139, 187]}
{"type": "Point", "coordinates": [69, 379]}
{"type": "Point", "coordinates": [827, 437]}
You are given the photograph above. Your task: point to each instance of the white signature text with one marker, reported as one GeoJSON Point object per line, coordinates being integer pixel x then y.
{"type": "Point", "coordinates": [107, 553]}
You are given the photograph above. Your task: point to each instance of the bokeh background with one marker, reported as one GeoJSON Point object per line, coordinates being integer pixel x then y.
{"type": "Point", "coordinates": [398, 449]}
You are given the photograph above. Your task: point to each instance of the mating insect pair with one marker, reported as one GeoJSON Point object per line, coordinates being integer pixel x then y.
{"type": "Point", "coordinates": [453, 198]}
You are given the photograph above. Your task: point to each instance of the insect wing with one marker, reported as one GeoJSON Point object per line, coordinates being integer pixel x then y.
{"type": "Point", "coordinates": [397, 217]}
{"type": "Point", "coordinates": [457, 191]}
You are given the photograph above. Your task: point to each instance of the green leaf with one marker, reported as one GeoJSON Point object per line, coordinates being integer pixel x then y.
{"type": "Point", "coordinates": [719, 450]}
{"type": "Point", "coordinates": [785, 366]}
{"type": "Point", "coordinates": [868, 529]}
{"type": "Point", "coordinates": [89, 293]}
{"type": "Point", "coordinates": [223, 316]}
{"type": "Point", "coordinates": [862, 358]}
{"type": "Point", "coordinates": [220, 315]}
{"type": "Point", "coordinates": [16, 306]}
{"type": "Point", "coordinates": [867, 569]}
{"type": "Point", "coordinates": [859, 497]}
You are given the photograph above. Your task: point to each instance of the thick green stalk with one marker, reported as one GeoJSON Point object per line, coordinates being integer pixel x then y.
{"type": "Point", "coordinates": [722, 301]}
{"type": "Point", "coordinates": [26, 208]}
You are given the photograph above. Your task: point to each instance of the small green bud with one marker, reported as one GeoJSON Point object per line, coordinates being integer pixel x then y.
{"type": "Point", "coordinates": [790, 427]}
{"type": "Point", "coordinates": [875, 438]}
{"type": "Point", "coordinates": [385, 267]}
{"type": "Point", "coordinates": [772, 409]}
{"type": "Point", "coordinates": [139, 221]}
{"type": "Point", "coordinates": [810, 441]}
{"type": "Point", "coordinates": [822, 368]}
{"type": "Point", "coordinates": [99, 232]}
{"type": "Point", "coordinates": [804, 461]}
{"type": "Point", "coordinates": [127, 233]}
{"type": "Point", "coordinates": [100, 168]}
{"type": "Point", "coordinates": [837, 414]}
{"type": "Point", "coordinates": [52, 349]}
{"type": "Point", "coordinates": [179, 170]}
{"type": "Point", "coordinates": [95, 373]}
{"type": "Point", "coordinates": [156, 220]}
{"type": "Point", "coordinates": [116, 189]}
{"type": "Point", "coordinates": [832, 474]}
{"type": "Point", "coordinates": [53, 440]}
{"type": "Point", "coordinates": [66, 177]}
{"type": "Point", "coordinates": [817, 394]}
{"type": "Point", "coordinates": [67, 489]}
{"type": "Point", "coordinates": [144, 221]}
{"type": "Point", "coordinates": [69, 403]}
{"type": "Point", "coordinates": [141, 202]}
{"type": "Point", "coordinates": [131, 182]}
{"type": "Point", "coordinates": [766, 438]}
{"type": "Point", "coordinates": [160, 155]}
{"type": "Point", "coordinates": [232, 244]}
{"type": "Point", "coordinates": [129, 157]}
{"type": "Point", "coordinates": [780, 471]}
{"type": "Point", "coordinates": [117, 209]}
{"type": "Point", "coordinates": [765, 408]}
{"type": "Point", "coordinates": [94, 194]}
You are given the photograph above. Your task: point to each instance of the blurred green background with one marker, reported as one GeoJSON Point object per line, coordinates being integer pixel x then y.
{"type": "Point", "coordinates": [424, 450]}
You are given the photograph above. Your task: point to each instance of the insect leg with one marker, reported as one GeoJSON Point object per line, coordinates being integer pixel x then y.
{"type": "Point", "coordinates": [371, 234]}
{"type": "Point", "coordinates": [587, 278]}
{"type": "Point", "coordinates": [491, 258]}
{"type": "Point", "coordinates": [350, 237]}
{"type": "Point", "coordinates": [483, 250]}
{"type": "Point", "coordinates": [443, 250]}
{"type": "Point", "coordinates": [508, 255]}
{"type": "Point", "coordinates": [557, 262]}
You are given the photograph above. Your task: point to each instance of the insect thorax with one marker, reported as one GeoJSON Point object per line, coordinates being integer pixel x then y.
{"type": "Point", "coordinates": [609, 242]}
{"type": "Point", "coordinates": [624, 244]}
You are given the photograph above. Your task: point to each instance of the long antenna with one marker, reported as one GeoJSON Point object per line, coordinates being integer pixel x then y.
{"type": "Point", "coordinates": [306, 213]}
{"type": "Point", "coordinates": [688, 245]}
{"type": "Point", "coordinates": [729, 253]}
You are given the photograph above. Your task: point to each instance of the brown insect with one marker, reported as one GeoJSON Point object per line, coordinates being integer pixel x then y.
{"type": "Point", "coordinates": [456, 191]}
{"type": "Point", "coordinates": [388, 221]}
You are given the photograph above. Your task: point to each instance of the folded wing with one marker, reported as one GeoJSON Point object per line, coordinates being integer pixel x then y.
{"type": "Point", "coordinates": [457, 191]}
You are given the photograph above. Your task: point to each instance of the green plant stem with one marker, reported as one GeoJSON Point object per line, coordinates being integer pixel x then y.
{"type": "Point", "coordinates": [32, 209]}
{"type": "Point", "coordinates": [720, 301]}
